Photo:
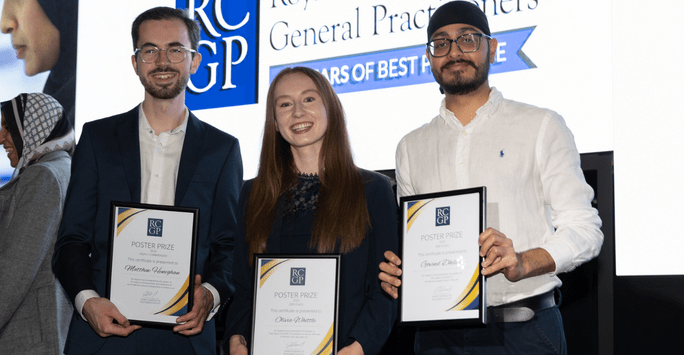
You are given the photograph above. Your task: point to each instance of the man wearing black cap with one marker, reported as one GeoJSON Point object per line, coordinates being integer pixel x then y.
{"type": "Point", "coordinates": [539, 205]}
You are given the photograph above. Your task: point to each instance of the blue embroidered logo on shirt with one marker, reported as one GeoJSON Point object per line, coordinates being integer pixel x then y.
{"type": "Point", "coordinates": [501, 153]}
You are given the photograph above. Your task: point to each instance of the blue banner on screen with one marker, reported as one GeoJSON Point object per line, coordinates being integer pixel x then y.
{"type": "Point", "coordinates": [407, 66]}
{"type": "Point", "coordinates": [510, 56]}
{"type": "Point", "coordinates": [5, 176]}
{"type": "Point", "coordinates": [229, 45]}
{"type": "Point", "coordinates": [371, 71]}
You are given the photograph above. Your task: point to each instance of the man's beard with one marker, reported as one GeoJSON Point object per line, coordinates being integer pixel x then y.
{"type": "Point", "coordinates": [460, 85]}
{"type": "Point", "coordinates": [166, 92]}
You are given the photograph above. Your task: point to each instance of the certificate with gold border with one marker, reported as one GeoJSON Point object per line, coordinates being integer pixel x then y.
{"type": "Point", "coordinates": [151, 269]}
{"type": "Point", "coordinates": [441, 277]}
{"type": "Point", "coordinates": [295, 304]}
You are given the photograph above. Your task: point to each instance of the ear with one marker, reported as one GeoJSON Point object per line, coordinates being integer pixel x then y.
{"type": "Point", "coordinates": [196, 60]}
{"type": "Point", "coordinates": [134, 62]}
{"type": "Point", "coordinates": [429, 57]}
{"type": "Point", "coordinates": [493, 45]}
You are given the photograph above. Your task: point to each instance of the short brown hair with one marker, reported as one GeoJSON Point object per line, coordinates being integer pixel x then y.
{"type": "Point", "coordinates": [167, 13]}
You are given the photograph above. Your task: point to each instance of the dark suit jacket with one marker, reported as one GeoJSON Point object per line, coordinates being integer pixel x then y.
{"type": "Point", "coordinates": [105, 168]}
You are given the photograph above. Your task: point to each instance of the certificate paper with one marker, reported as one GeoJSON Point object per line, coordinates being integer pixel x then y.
{"type": "Point", "coordinates": [152, 261]}
{"type": "Point", "coordinates": [295, 304]}
{"type": "Point", "coordinates": [441, 278]}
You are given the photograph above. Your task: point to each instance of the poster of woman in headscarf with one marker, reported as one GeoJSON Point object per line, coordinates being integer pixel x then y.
{"type": "Point", "coordinates": [38, 53]}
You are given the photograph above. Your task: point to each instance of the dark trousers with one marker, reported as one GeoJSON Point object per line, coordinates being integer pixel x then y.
{"type": "Point", "coordinates": [148, 341]}
{"type": "Point", "coordinates": [543, 334]}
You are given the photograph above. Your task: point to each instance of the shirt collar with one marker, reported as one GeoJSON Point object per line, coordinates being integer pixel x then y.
{"type": "Point", "coordinates": [482, 113]}
{"type": "Point", "coordinates": [145, 125]}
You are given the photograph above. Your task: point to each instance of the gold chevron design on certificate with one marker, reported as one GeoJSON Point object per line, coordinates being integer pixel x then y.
{"type": "Point", "coordinates": [266, 270]}
{"type": "Point", "coordinates": [325, 347]}
{"type": "Point", "coordinates": [177, 302]}
{"type": "Point", "coordinates": [414, 211]}
{"type": "Point", "coordinates": [468, 295]}
{"type": "Point", "coordinates": [125, 217]}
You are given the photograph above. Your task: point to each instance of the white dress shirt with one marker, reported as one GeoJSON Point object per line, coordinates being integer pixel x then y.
{"type": "Point", "coordinates": [536, 192]}
{"type": "Point", "coordinates": [159, 161]}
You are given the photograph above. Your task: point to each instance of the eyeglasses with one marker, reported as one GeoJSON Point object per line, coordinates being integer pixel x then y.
{"type": "Point", "coordinates": [174, 54]}
{"type": "Point", "coordinates": [467, 43]}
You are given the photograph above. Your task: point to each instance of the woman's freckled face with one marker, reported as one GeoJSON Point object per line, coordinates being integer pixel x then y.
{"type": "Point", "coordinates": [301, 117]}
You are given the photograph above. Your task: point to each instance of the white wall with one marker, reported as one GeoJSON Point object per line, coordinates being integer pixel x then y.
{"type": "Point", "coordinates": [649, 124]}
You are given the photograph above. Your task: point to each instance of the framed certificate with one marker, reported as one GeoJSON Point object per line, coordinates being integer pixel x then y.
{"type": "Point", "coordinates": [152, 252]}
{"type": "Point", "coordinates": [295, 304]}
{"type": "Point", "coordinates": [442, 281]}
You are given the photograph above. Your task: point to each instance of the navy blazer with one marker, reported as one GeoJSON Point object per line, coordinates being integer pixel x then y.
{"type": "Point", "coordinates": [105, 168]}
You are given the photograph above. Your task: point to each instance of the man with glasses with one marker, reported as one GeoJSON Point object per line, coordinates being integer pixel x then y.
{"type": "Point", "coordinates": [538, 203]}
{"type": "Point", "coordinates": [157, 153]}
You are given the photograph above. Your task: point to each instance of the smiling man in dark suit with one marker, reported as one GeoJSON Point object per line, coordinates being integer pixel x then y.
{"type": "Point", "coordinates": [158, 153]}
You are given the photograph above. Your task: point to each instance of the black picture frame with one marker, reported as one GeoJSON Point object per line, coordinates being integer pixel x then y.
{"type": "Point", "coordinates": [169, 310]}
{"type": "Point", "coordinates": [474, 295]}
{"type": "Point", "coordinates": [270, 264]}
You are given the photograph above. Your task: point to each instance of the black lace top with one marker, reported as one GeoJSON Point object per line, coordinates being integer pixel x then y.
{"type": "Point", "coordinates": [304, 195]}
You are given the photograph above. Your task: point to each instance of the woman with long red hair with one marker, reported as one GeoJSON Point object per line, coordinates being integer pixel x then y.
{"type": "Point", "coordinates": [309, 197]}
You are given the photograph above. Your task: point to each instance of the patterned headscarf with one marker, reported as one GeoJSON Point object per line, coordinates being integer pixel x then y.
{"type": "Point", "coordinates": [37, 125]}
